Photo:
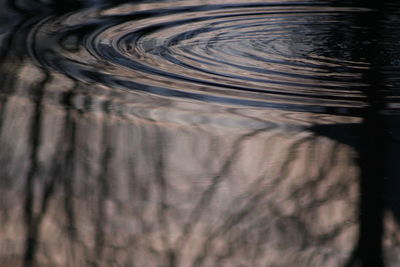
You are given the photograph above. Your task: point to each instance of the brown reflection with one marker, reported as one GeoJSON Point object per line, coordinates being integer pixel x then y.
{"type": "Point", "coordinates": [88, 185]}
{"type": "Point", "coordinates": [84, 182]}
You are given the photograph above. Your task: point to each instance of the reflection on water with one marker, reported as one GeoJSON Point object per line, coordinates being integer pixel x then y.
{"type": "Point", "coordinates": [196, 133]}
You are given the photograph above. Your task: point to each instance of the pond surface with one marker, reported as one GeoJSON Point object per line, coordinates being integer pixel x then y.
{"type": "Point", "coordinates": [199, 133]}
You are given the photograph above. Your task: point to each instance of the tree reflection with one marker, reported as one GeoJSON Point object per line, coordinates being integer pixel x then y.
{"type": "Point", "coordinates": [109, 189]}
{"type": "Point", "coordinates": [85, 183]}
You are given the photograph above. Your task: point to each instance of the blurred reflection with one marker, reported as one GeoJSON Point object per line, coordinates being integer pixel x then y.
{"type": "Point", "coordinates": [101, 189]}
{"type": "Point", "coordinates": [93, 176]}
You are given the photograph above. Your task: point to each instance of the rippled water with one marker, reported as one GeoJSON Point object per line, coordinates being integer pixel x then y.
{"type": "Point", "coordinates": [199, 133]}
{"type": "Point", "coordinates": [255, 54]}
{"type": "Point", "coordinates": [289, 55]}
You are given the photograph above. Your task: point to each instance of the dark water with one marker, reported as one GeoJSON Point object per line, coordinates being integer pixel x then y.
{"type": "Point", "coordinates": [199, 133]}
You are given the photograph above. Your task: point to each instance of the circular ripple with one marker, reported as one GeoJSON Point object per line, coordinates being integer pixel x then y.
{"type": "Point", "coordinates": [289, 56]}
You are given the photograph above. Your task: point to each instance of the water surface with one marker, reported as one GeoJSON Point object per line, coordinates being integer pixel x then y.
{"type": "Point", "coordinates": [199, 133]}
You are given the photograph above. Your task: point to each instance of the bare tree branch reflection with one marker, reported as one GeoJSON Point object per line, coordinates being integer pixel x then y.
{"type": "Point", "coordinates": [117, 193]}
{"type": "Point", "coordinates": [97, 177]}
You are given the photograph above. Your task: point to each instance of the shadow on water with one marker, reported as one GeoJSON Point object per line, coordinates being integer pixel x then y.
{"type": "Point", "coordinates": [372, 150]}
{"type": "Point", "coordinates": [87, 183]}
{"type": "Point", "coordinates": [377, 145]}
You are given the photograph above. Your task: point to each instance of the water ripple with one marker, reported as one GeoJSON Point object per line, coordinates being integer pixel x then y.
{"type": "Point", "coordinates": [292, 56]}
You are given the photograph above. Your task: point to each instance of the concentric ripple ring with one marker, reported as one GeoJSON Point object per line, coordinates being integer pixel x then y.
{"type": "Point", "coordinates": [254, 54]}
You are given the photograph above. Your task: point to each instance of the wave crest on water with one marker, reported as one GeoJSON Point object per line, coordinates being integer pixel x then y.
{"type": "Point", "coordinates": [290, 56]}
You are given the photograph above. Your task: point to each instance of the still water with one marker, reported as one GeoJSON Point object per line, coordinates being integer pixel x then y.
{"type": "Point", "coordinates": [199, 133]}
